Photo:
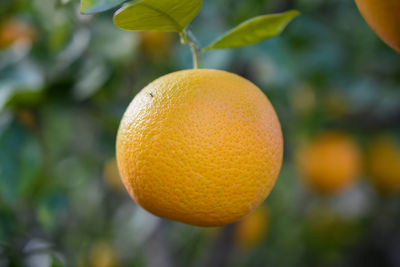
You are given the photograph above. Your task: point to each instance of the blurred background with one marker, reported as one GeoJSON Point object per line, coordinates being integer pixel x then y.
{"type": "Point", "coordinates": [66, 79]}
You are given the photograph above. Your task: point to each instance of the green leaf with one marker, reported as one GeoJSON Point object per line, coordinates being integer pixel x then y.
{"type": "Point", "coordinates": [20, 161]}
{"type": "Point", "coordinates": [254, 30]}
{"type": "Point", "coordinates": [95, 6]}
{"type": "Point", "coordinates": [157, 15]}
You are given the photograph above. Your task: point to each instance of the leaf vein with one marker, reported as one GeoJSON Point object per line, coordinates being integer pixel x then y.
{"type": "Point", "coordinates": [163, 13]}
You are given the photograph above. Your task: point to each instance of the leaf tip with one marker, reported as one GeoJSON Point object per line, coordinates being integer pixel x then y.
{"type": "Point", "coordinates": [86, 9]}
{"type": "Point", "coordinates": [294, 13]}
{"type": "Point", "coordinates": [82, 8]}
{"type": "Point", "coordinates": [115, 17]}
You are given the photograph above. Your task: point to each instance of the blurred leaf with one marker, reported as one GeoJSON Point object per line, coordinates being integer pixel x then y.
{"type": "Point", "coordinates": [94, 6]}
{"type": "Point", "coordinates": [53, 204]}
{"type": "Point", "coordinates": [25, 98]}
{"type": "Point", "coordinates": [45, 217]}
{"type": "Point", "coordinates": [71, 53]}
{"type": "Point", "coordinates": [60, 34]}
{"type": "Point", "coordinates": [23, 81]}
{"type": "Point", "coordinates": [56, 262]}
{"type": "Point", "coordinates": [57, 131]}
{"type": "Point", "coordinates": [254, 30]}
{"type": "Point", "coordinates": [157, 15]}
{"type": "Point", "coordinates": [115, 46]}
{"type": "Point", "coordinates": [20, 160]}
{"type": "Point", "coordinates": [94, 74]}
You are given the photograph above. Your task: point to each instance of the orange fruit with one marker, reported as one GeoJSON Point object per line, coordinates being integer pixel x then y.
{"type": "Point", "coordinates": [383, 17]}
{"type": "Point", "coordinates": [12, 30]}
{"type": "Point", "coordinates": [383, 164]}
{"type": "Point", "coordinates": [156, 44]}
{"type": "Point", "coordinates": [111, 175]}
{"type": "Point", "coordinates": [335, 104]}
{"type": "Point", "coordinates": [330, 163]}
{"type": "Point", "coordinates": [102, 254]}
{"type": "Point", "coordinates": [26, 118]}
{"type": "Point", "coordinates": [203, 147]}
{"type": "Point", "coordinates": [251, 230]}
{"type": "Point", "coordinates": [303, 99]}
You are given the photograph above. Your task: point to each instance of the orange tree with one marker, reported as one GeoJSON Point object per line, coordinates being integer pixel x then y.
{"type": "Point", "coordinates": [60, 113]}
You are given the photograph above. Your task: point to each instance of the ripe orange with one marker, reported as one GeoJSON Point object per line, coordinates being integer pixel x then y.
{"type": "Point", "coordinates": [251, 230]}
{"type": "Point", "coordinates": [330, 163]}
{"type": "Point", "coordinates": [383, 164]}
{"type": "Point", "coordinates": [203, 147]}
{"type": "Point", "coordinates": [383, 17]}
{"type": "Point", "coordinates": [12, 30]}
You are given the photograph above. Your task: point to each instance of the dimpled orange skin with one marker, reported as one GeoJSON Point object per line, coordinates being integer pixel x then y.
{"type": "Point", "coordinates": [383, 16]}
{"type": "Point", "coordinates": [330, 163]}
{"type": "Point", "coordinates": [203, 147]}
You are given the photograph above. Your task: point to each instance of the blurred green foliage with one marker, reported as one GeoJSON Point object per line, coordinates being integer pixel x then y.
{"type": "Point", "coordinates": [64, 89]}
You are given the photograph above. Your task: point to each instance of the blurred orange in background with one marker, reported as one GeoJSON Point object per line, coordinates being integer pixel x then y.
{"type": "Point", "coordinates": [26, 118]}
{"type": "Point", "coordinates": [156, 44]}
{"type": "Point", "coordinates": [102, 254]}
{"type": "Point", "coordinates": [13, 30]}
{"type": "Point", "coordinates": [383, 164]}
{"type": "Point", "coordinates": [252, 229]}
{"type": "Point", "coordinates": [330, 163]}
{"type": "Point", "coordinates": [111, 175]}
